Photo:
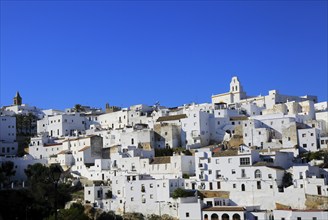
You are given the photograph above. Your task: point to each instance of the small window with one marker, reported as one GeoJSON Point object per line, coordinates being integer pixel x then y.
{"type": "Point", "coordinates": [187, 214]}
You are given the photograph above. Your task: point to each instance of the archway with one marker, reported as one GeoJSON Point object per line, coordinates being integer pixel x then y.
{"type": "Point", "coordinates": [225, 216]}
{"type": "Point", "coordinates": [214, 217]}
{"type": "Point", "coordinates": [236, 217]}
{"type": "Point", "coordinates": [205, 217]}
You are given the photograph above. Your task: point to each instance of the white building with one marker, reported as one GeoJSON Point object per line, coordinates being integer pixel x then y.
{"type": "Point", "coordinates": [8, 143]}
{"type": "Point", "coordinates": [62, 125]}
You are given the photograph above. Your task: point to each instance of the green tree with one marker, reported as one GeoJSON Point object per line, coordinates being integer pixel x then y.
{"type": "Point", "coordinates": [179, 192]}
{"type": "Point", "coordinates": [133, 216]}
{"type": "Point", "coordinates": [78, 108]}
{"type": "Point", "coordinates": [109, 216]}
{"type": "Point", "coordinates": [6, 171]}
{"type": "Point", "coordinates": [76, 212]}
{"type": "Point", "coordinates": [287, 179]}
{"type": "Point", "coordinates": [42, 190]}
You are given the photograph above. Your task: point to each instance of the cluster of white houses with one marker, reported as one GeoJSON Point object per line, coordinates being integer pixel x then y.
{"type": "Point", "coordinates": [242, 150]}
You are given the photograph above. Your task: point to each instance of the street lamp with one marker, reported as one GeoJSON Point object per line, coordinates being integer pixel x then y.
{"type": "Point", "coordinates": [55, 172]}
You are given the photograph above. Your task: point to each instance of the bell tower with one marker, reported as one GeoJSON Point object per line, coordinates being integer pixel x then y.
{"type": "Point", "coordinates": [17, 99]}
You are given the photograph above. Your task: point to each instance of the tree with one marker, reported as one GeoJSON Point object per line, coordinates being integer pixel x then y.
{"type": "Point", "coordinates": [133, 216]}
{"type": "Point", "coordinates": [6, 171]}
{"type": "Point", "coordinates": [287, 179]}
{"type": "Point", "coordinates": [76, 212]}
{"type": "Point", "coordinates": [78, 108]}
{"type": "Point", "coordinates": [179, 192]}
{"type": "Point", "coordinates": [109, 216]}
{"type": "Point", "coordinates": [42, 190]}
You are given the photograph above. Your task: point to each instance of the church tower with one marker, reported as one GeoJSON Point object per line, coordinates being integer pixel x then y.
{"type": "Point", "coordinates": [235, 85]}
{"type": "Point", "coordinates": [17, 99]}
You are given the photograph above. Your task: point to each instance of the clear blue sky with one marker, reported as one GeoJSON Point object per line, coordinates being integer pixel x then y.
{"type": "Point", "coordinates": [59, 53]}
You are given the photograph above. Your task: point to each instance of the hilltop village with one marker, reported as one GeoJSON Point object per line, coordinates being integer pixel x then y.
{"type": "Point", "coordinates": [239, 157]}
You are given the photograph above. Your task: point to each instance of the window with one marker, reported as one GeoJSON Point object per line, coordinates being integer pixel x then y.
{"type": "Point", "coordinates": [187, 214]}
{"type": "Point", "coordinates": [234, 185]}
{"type": "Point", "coordinates": [303, 135]}
{"type": "Point", "coordinates": [311, 134]}
{"type": "Point", "coordinates": [244, 161]}
{"type": "Point", "coordinates": [151, 185]}
{"type": "Point", "coordinates": [233, 171]}
{"type": "Point", "coordinates": [233, 123]}
{"type": "Point", "coordinates": [299, 218]}
{"type": "Point", "coordinates": [243, 173]}
{"type": "Point", "coordinates": [270, 176]}
{"type": "Point", "coordinates": [257, 174]}
{"type": "Point", "coordinates": [305, 145]}
{"type": "Point", "coordinates": [151, 196]}
{"type": "Point", "coordinates": [89, 192]}
{"type": "Point", "coordinates": [258, 184]}
{"type": "Point", "coordinates": [132, 199]}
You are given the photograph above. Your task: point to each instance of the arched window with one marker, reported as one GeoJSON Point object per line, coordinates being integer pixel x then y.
{"type": "Point", "coordinates": [205, 217]}
{"type": "Point", "coordinates": [242, 187]}
{"type": "Point", "coordinates": [214, 217]}
{"type": "Point", "coordinates": [225, 216]}
{"type": "Point", "coordinates": [257, 174]}
{"type": "Point", "coordinates": [236, 217]}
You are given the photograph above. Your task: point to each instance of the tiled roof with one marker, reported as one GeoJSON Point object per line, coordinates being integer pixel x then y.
{"type": "Point", "coordinates": [238, 118]}
{"type": "Point", "coordinates": [161, 160]}
{"type": "Point", "coordinates": [171, 117]}
{"type": "Point", "coordinates": [226, 153]}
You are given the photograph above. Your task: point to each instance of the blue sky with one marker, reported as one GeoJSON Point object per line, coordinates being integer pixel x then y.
{"type": "Point", "coordinates": [59, 53]}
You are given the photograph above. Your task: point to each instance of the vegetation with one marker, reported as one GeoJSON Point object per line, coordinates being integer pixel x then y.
{"type": "Point", "coordinates": [37, 201]}
{"type": "Point", "coordinates": [109, 216]}
{"type": "Point", "coordinates": [78, 108]}
{"type": "Point", "coordinates": [318, 155]}
{"type": "Point", "coordinates": [109, 194]}
{"type": "Point", "coordinates": [160, 152]}
{"type": "Point", "coordinates": [133, 216]}
{"type": "Point", "coordinates": [157, 217]}
{"type": "Point", "coordinates": [76, 212]}
{"type": "Point", "coordinates": [185, 176]}
{"type": "Point", "coordinates": [179, 192]}
{"type": "Point", "coordinates": [287, 180]}
{"type": "Point", "coordinates": [6, 171]}
{"type": "Point", "coordinates": [26, 124]}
